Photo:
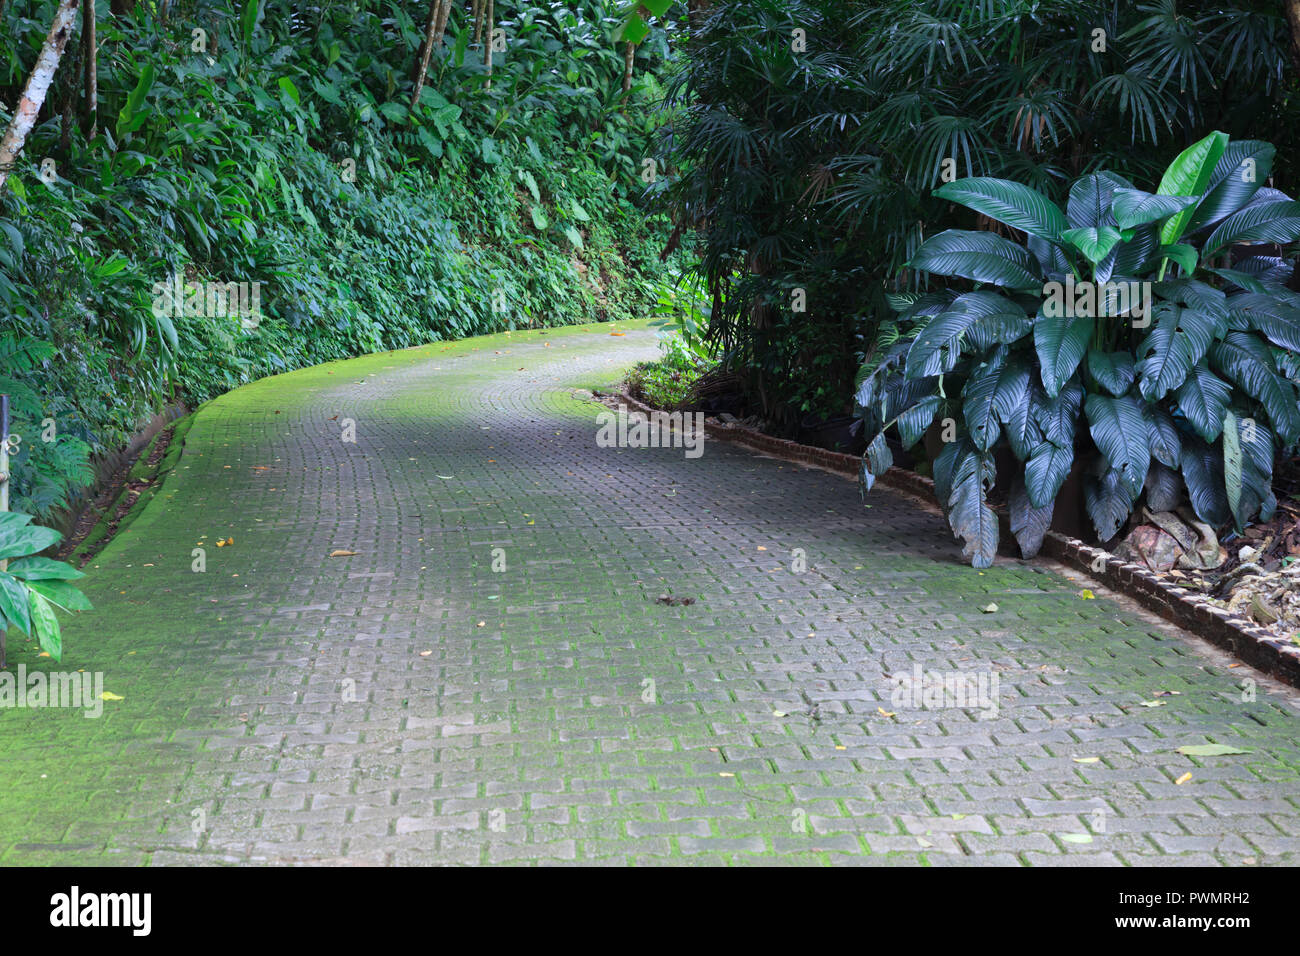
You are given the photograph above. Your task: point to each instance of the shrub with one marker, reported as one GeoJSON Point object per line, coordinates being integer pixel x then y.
{"type": "Point", "coordinates": [1170, 367]}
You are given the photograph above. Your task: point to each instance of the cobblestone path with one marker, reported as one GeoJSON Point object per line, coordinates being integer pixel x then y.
{"type": "Point", "coordinates": [490, 677]}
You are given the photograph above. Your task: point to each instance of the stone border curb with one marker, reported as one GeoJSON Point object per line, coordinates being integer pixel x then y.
{"type": "Point", "coordinates": [1192, 611]}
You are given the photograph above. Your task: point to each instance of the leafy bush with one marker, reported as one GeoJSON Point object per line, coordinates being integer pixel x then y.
{"type": "Point", "coordinates": [809, 135]}
{"type": "Point", "coordinates": [32, 587]}
{"type": "Point", "coordinates": [1119, 338]}
{"type": "Point", "coordinates": [667, 382]}
{"type": "Point", "coordinates": [287, 151]}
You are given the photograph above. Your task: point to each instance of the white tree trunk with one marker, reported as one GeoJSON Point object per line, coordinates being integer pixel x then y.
{"type": "Point", "coordinates": [38, 84]}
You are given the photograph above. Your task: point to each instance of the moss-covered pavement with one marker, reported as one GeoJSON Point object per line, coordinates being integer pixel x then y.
{"type": "Point", "coordinates": [491, 676]}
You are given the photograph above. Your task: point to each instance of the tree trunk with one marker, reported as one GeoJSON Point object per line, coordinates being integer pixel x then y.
{"type": "Point", "coordinates": [443, 15]}
{"type": "Point", "coordinates": [628, 62]}
{"type": "Point", "coordinates": [487, 47]}
{"type": "Point", "coordinates": [480, 7]}
{"type": "Point", "coordinates": [91, 114]}
{"type": "Point", "coordinates": [1293, 19]}
{"type": "Point", "coordinates": [426, 50]}
{"type": "Point", "coordinates": [38, 84]}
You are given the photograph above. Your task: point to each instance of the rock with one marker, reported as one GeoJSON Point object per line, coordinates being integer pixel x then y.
{"type": "Point", "coordinates": [1150, 546]}
{"type": "Point", "coordinates": [727, 417]}
{"type": "Point", "coordinates": [1247, 553]}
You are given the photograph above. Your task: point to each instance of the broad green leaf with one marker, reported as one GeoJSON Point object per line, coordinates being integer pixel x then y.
{"type": "Point", "coordinates": [1028, 524]}
{"type": "Point", "coordinates": [937, 347]}
{"type": "Point", "coordinates": [1231, 461]}
{"type": "Point", "coordinates": [1182, 254]}
{"type": "Point", "coordinates": [1120, 431]}
{"type": "Point", "coordinates": [969, 514]}
{"type": "Point", "coordinates": [28, 540]}
{"type": "Point", "coordinates": [62, 594]}
{"type": "Point", "coordinates": [1242, 169]}
{"type": "Point", "coordinates": [1210, 750]}
{"type": "Point", "coordinates": [1273, 221]}
{"type": "Point", "coordinates": [46, 626]}
{"type": "Point", "coordinates": [1133, 207]}
{"type": "Point", "coordinates": [1203, 398]}
{"type": "Point", "coordinates": [131, 117]}
{"type": "Point", "coordinates": [44, 569]}
{"type": "Point", "coordinates": [1009, 203]}
{"type": "Point", "coordinates": [980, 256]}
{"type": "Point", "coordinates": [1113, 371]}
{"type": "Point", "coordinates": [1061, 344]}
{"type": "Point", "coordinates": [1188, 175]}
{"type": "Point", "coordinates": [1095, 242]}
{"type": "Point", "coordinates": [1179, 338]}
{"type": "Point", "coordinates": [14, 603]}
{"type": "Point", "coordinates": [1109, 500]}
{"type": "Point", "coordinates": [289, 90]}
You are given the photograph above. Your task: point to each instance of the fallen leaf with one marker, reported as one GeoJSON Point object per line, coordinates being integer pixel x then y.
{"type": "Point", "coordinates": [1183, 779]}
{"type": "Point", "coordinates": [110, 696]}
{"type": "Point", "coordinates": [1087, 595]}
{"type": "Point", "coordinates": [886, 713]}
{"type": "Point", "coordinates": [481, 624]}
{"type": "Point", "coordinates": [425, 653]}
{"type": "Point", "coordinates": [1087, 759]}
{"type": "Point", "coordinates": [618, 333]}
{"type": "Point", "coordinates": [925, 844]}
{"type": "Point", "coordinates": [991, 609]}
{"type": "Point", "coordinates": [341, 553]}
{"type": "Point", "coordinates": [778, 713]}
{"type": "Point", "coordinates": [725, 774]}
{"type": "Point", "coordinates": [1077, 837]}
{"type": "Point", "coordinates": [1210, 750]}
{"type": "Point", "coordinates": [1152, 703]}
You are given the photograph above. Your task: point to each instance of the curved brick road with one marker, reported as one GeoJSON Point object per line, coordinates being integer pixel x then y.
{"type": "Point", "coordinates": [285, 706]}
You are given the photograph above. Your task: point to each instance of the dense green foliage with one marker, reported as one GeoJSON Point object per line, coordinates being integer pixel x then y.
{"type": "Point", "coordinates": [32, 586]}
{"type": "Point", "coordinates": [273, 143]}
{"type": "Point", "coordinates": [1119, 341]}
{"type": "Point", "coordinates": [813, 132]}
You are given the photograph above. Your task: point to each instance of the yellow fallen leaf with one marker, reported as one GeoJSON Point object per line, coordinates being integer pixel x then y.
{"type": "Point", "coordinates": [425, 653]}
{"type": "Point", "coordinates": [1183, 779]}
{"type": "Point", "coordinates": [725, 774]}
{"type": "Point", "coordinates": [1087, 759]}
{"type": "Point", "coordinates": [778, 713]}
{"type": "Point", "coordinates": [1087, 595]}
{"type": "Point", "coordinates": [47, 653]}
{"type": "Point", "coordinates": [840, 747]}
{"type": "Point", "coordinates": [109, 696]}
{"type": "Point", "coordinates": [481, 624]}
{"type": "Point", "coordinates": [341, 553]}
{"type": "Point", "coordinates": [886, 713]}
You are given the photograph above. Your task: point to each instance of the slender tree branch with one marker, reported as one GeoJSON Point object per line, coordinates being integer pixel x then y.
{"type": "Point", "coordinates": [38, 84]}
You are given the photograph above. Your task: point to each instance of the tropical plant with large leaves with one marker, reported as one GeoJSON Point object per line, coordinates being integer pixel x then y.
{"type": "Point", "coordinates": [1134, 336]}
{"type": "Point", "coordinates": [33, 587]}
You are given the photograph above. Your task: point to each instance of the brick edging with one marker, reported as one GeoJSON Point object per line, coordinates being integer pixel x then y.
{"type": "Point", "coordinates": [1193, 611]}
